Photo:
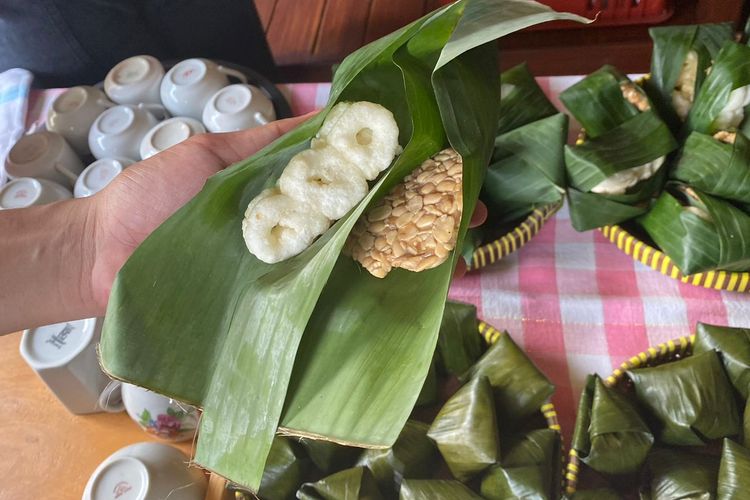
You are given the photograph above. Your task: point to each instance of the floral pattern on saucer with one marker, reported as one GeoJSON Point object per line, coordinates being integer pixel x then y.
{"type": "Point", "coordinates": [175, 424]}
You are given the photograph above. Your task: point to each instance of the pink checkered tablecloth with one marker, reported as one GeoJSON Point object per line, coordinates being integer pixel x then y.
{"type": "Point", "coordinates": [572, 300]}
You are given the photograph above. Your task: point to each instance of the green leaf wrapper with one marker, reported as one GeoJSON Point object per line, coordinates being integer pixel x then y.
{"type": "Point", "coordinates": [194, 316]}
{"type": "Point", "coordinates": [465, 430]}
{"type": "Point", "coordinates": [527, 169]}
{"type": "Point", "coordinates": [459, 345]}
{"type": "Point", "coordinates": [694, 243]}
{"type": "Point", "coordinates": [733, 346]}
{"type": "Point", "coordinates": [597, 494]}
{"type": "Point", "coordinates": [412, 456]}
{"type": "Point", "coordinates": [681, 475]}
{"type": "Point", "coordinates": [731, 70]}
{"type": "Point", "coordinates": [529, 469]}
{"type": "Point", "coordinates": [520, 388]}
{"type": "Point", "coordinates": [684, 397]}
{"type": "Point", "coordinates": [597, 101]}
{"type": "Point", "coordinates": [356, 483]}
{"type": "Point", "coordinates": [283, 471]}
{"type": "Point", "coordinates": [435, 489]}
{"type": "Point", "coordinates": [610, 436]}
{"type": "Point", "coordinates": [734, 472]}
{"type": "Point", "coordinates": [522, 100]}
{"type": "Point", "coordinates": [671, 47]}
{"type": "Point", "coordinates": [716, 168]}
{"type": "Point", "coordinates": [329, 457]}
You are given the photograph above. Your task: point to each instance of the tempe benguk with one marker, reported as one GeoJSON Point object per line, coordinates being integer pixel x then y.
{"type": "Point", "coordinates": [300, 339]}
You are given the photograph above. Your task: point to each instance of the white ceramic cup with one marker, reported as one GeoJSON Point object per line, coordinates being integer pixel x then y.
{"type": "Point", "coordinates": [25, 192]}
{"type": "Point", "coordinates": [64, 357]}
{"type": "Point", "coordinates": [187, 87]}
{"type": "Point", "coordinates": [96, 176]}
{"type": "Point", "coordinates": [237, 107]}
{"type": "Point", "coordinates": [146, 471]}
{"type": "Point", "coordinates": [168, 133]}
{"type": "Point", "coordinates": [158, 415]}
{"type": "Point", "coordinates": [44, 155]}
{"type": "Point", "coordinates": [118, 132]}
{"type": "Point", "coordinates": [135, 80]}
{"type": "Point", "coordinates": [73, 113]}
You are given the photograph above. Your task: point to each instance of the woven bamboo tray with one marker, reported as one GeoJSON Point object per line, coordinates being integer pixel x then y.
{"type": "Point", "coordinates": [218, 486]}
{"type": "Point", "coordinates": [491, 252]}
{"type": "Point", "coordinates": [666, 352]}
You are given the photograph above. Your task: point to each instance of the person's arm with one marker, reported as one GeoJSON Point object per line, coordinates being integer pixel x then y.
{"type": "Point", "coordinates": [46, 257]}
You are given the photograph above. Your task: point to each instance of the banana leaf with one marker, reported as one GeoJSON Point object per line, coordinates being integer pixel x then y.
{"type": "Point", "coordinates": [716, 168]}
{"type": "Point", "coordinates": [678, 475]}
{"type": "Point", "coordinates": [429, 393]}
{"type": "Point", "coordinates": [719, 240]}
{"type": "Point", "coordinates": [522, 100]}
{"type": "Point", "coordinates": [413, 455]}
{"type": "Point", "coordinates": [329, 457]}
{"type": "Point", "coordinates": [610, 436]}
{"type": "Point", "coordinates": [597, 101]}
{"type": "Point", "coordinates": [459, 345]}
{"type": "Point", "coordinates": [527, 169]}
{"type": "Point", "coordinates": [691, 399]}
{"type": "Point", "coordinates": [671, 47]}
{"type": "Point", "coordinates": [465, 430]}
{"type": "Point", "coordinates": [596, 494]}
{"type": "Point", "coordinates": [356, 483]}
{"type": "Point", "coordinates": [746, 425]}
{"type": "Point", "coordinates": [520, 388]}
{"type": "Point", "coordinates": [730, 70]}
{"type": "Point", "coordinates": [733, 346]}
{"type": "Point", "coordinates": [635, 142]}
{"type": "Point", "coordinates": [530, 468]}
{"type": "Point", "coordinates": [436, 489]}
{"type": "Point", "coordinates": [283, 473]}
{"type": "Point", "coordinates": [193, 315]}
{"type": "Point", "coordinates": [734, 471]}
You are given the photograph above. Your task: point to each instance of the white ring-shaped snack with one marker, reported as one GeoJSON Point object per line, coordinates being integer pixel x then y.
{"type": "Point", "coordinates": [364, 132]}
{"type": "Point", "coordinates": [325, 180]}
{"type": "Point", "coordinates": [277, 227]}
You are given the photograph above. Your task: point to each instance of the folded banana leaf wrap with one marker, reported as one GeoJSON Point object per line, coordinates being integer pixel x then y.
{"type": "Point", "coordinates": [432, 489]}
{"type": "Point", "coordinates": [676, 474]}
{"type": "Point", "coordinates": [459, 346]}
{"type": "Point", "coordinates": [527, 168]}
{"type": "Point", "coordinates": [734, 471]}
{"type": "Point", "coordinates": [329, 457]}
{"type": "Point", "coordinates": [530, 468]}
{"type": "Point", "coordinates": [284, 470]}
{"type": "Point", "coordinates": [356, 483]}
{"type": "Point", "coordinates": [678, 50]}
{"type": "Point", "coordinates": [520, 387]}
{"type": "Point", "coordinates": [683, 398]}
{"type": "Point", "coordinates": [733, 346]}
{"type": "Point", "coordinates": [619, 138]}
{"type": "Point", "coordinates": [720, 101]}
{"type": "Point", "coordinates": [699, 232]}
{"type": "Point", "coordinates": [610, 436]}
{"type": "Point", "coordinates": [596, 494]}
{"type": "Point", "coordinates": [715, 167]}
{"type": "Point", "coordinates": [312, 346]}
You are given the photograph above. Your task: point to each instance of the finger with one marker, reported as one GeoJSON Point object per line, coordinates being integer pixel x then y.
{"type": "Point", "coordinates": [232, 147]}
{"type": "Point", "coordinates": [460, 268]}
{"type": "Point", "coordinates": [479, 216]}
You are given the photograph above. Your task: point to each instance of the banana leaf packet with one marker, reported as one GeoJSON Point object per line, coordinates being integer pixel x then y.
{"type": "Point", "coordinates": [699, 232]}
{"type": "Point", "coordinates": [610, 436]}
{"type": "Point", "coordinates": [530, 469]}
{"type": "Point", "coordinates": [734, 471]}
{"type": "Point", "coordinates": [677, 475]}
{"type": "Point", "coordinates": [596, 494]}
{"type": "Point", "coordinates": [683, 397]}
{"type": "Point", "coordinates": [356, 483]}
{"type": "Point", "coordinates": [679, 63]}
{"type": "Point", "coordinates": [434, 489]}
{"type": "Point", "coordinates": [459, 346]}
{"type": "Point", "coordinates": [733, 346]}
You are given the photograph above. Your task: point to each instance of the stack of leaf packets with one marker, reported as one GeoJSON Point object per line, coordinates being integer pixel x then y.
{"type": "Point", "coordinates": [527, 169]}
{"type": "Point", "coordinates": [312, 346]}
{"type": "Point", "coordinates": [674, 430]}
{"type": "Point", "coordinates": [487, 439]}
{"type": "Point", "coordinates": [670, 159]}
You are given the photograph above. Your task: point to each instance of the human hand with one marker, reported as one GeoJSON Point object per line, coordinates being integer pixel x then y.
{"type": "Point", "coordinates": [147, 193]}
